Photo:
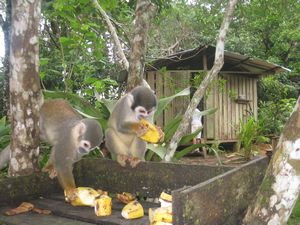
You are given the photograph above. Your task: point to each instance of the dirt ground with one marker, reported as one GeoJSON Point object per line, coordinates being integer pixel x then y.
{"type": "Point", "coordinates": [227, 157]}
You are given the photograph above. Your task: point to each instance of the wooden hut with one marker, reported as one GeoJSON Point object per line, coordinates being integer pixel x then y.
{"type": "Point", "coordinates": [234, 95]}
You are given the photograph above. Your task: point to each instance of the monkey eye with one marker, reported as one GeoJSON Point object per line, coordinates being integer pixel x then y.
{"type": "Point", "coordinates": [142, 111]}
{"type": "Point", "coordinates": [86, 145]}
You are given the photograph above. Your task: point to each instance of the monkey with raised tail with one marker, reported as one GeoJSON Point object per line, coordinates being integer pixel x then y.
{"type": "Point", "coordinates": [71, 137]}
{"type": "Point", "coordinates": [123, 131]}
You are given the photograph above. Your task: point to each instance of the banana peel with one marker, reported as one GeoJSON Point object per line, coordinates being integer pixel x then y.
{"type": "Point", "coordinates": [153, 134]}
{"type": "Point", "coordinates": [84, 196]}
{"type": "Point", "coordinates": [23, 208]}
{"type": "Point", "coordinates": [163, 214]}
{"type": "Point", "coordinates": [133, 210]}
{"type": "Point", "coordinates": [103, 205]}
{"type": "Point", "coordinates": [125, 197]}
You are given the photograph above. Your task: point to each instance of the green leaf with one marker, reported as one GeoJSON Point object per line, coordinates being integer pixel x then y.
{"type": "Point", "coordinates": [157, 149]}
{"type": "Point", "coordinates": [186, 139]}
{"type": "Point", "coordinates": [208, 111]}
{"type": "Point", "coordinates": [171, 127]}
{"type": "Point", "coordinates": [90, 80]}
{"type": "Point", "coordinates": [179, 155]}
{"type": "Point", "coordinates": [162, 103]}
{"type": "Point", "coordinates": [109, 104]}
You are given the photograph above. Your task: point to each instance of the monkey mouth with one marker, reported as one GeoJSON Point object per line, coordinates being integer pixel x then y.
{"type": "Point", "coordinates": [83, 150]}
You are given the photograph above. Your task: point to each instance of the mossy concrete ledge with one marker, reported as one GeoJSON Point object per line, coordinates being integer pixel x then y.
{"type": "Point", "coordinates": [221, 200]}
{"type": "Point", "coordinates": [148, 178]}
{"type": "Point", "coordinates": [16, 189]}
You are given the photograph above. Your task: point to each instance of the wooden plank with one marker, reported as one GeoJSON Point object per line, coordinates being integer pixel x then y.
{"type": "Point", "coordinates": [225, 120]}
{"type": "Point", "coordinates": [148, 178]}
{"type": "Point", "coordinates": [244, 113]}
{"type": "Point", "coordinates": [32, 218]}
{"type": "Point", "coordinates": [150, 79]}
{"type": "Point", "coordinates": [237, 112]}
{"type": "Point", "coordinates": [221, 114]}
{"type": "Point", "coordinates": [229, 121]}
{"type": "Point", "coordinates": [169, 90]}
{"type": "Point", "coordinates": [160, 94]}
{"type": "Point", "coordinates": [209, 120]}
{"type": "Point", "coordinates": [87, 214]}
{"type": "Point", "coordinates": [222, 199]}
{"type": "Point", "coordinates": [255, 108]}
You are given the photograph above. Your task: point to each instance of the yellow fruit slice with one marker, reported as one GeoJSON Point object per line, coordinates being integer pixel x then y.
{"type": "Point", "coordinates": [165, 200]}
{"type": "Point", "coordinates": [166, 197]}
{"type": "Point", "coordinates": [125, 197]}
{"type": "Point", "coordinates": [133, 210]}
{"type": "Point", "coordinates": [103, 205]}
{"type": "Point", "coordinates": [153, 135]}
{"type": "Point", "coordinates": [163, 214]}
{"type": "Point", "coordinates": [84, 196]}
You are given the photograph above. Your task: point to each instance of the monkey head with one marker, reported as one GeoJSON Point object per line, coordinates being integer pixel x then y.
{"type": "Point", "coordinates": [90, 135]}
{"type": "Point", "coordinates": [143, 102]}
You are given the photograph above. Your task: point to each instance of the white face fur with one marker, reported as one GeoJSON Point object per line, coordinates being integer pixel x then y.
{"type": "Point", "coordinates": [142, 113]}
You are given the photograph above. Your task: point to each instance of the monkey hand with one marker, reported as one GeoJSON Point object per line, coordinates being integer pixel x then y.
{"type": "Point", "coordinates": [142, 129]}
{"type": "Point", "coordinates": [161, 134]}
{"type": "Point", "coordinates": [50, 170]}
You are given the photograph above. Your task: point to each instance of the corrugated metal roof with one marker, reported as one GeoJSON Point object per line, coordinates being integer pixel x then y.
{"type": "Point", "coordinates": [233, 62]}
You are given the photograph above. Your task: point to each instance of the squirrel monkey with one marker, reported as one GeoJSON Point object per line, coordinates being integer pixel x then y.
{"type": "Point", "coordinates": [123, 131]}
{"type": "Point", "coordinates": [71, 137]}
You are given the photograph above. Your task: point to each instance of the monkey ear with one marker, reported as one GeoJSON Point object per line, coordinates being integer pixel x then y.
{"type": "Point", "coordinates": [81, 128]}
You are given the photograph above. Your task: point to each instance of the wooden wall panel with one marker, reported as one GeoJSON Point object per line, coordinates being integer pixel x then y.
{"type": "Point", "coordinates": [224, 124]}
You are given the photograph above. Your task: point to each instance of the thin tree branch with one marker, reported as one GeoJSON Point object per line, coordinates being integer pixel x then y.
{"type": "Point", "coordinates": [120, 53]}
{"type": "Point", "coordinates": [212, 74]}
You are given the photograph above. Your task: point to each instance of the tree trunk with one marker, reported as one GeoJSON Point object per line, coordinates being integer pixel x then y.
{"type": "Point", "coordinates": [212, 74]}
{"type": "Point", "coordinates": [6, 26]}
{"type": "Point", "coordinates": [25, 93]}
{"type": "Point", "coordinates": [280, 188]}
{"type": "Point", "coordinates": [144, 12]}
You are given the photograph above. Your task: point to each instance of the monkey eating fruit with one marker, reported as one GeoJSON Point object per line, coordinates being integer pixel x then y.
{"type": "Point", "coordinates": [124, 128]}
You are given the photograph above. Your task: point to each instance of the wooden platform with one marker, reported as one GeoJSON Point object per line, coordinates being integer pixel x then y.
{"type": "Point", "coordinates": [65, 214]}
{"type": "Point", "coordinates": [212, 195]}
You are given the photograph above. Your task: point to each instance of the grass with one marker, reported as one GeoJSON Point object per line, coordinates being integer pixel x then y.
{"type": "Point", "coordinates": [295, 216]}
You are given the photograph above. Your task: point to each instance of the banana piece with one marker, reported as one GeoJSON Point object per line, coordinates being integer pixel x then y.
{"type": "Point", "coordinates": [84, 196]}
{"type": "Point", "coordinates": [165, 200]}
{"type": "Point", "coordinates": [126, 197]}
{"type": "Point", "coordinates": [103, 205]}
{"type": "Point", "coordinates": [153, 134]}
{"type": "Point", "coordinates": [163, 214]}
{"type": "Point", "coordinates": [133, 210]}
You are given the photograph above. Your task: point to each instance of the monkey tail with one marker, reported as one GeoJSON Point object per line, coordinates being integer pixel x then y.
{"type": "Point", "coordinates": [4, 157]}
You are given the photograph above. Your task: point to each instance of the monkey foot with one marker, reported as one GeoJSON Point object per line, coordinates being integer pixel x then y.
{"type": "Point", "coordinates": [51, 172]}
{"type": "Point", "coordinates": [70, 194]}
{"type": "Point", "coordinates": [134, 161]}
{"type": "Point", "coordinates": [121, 159]}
